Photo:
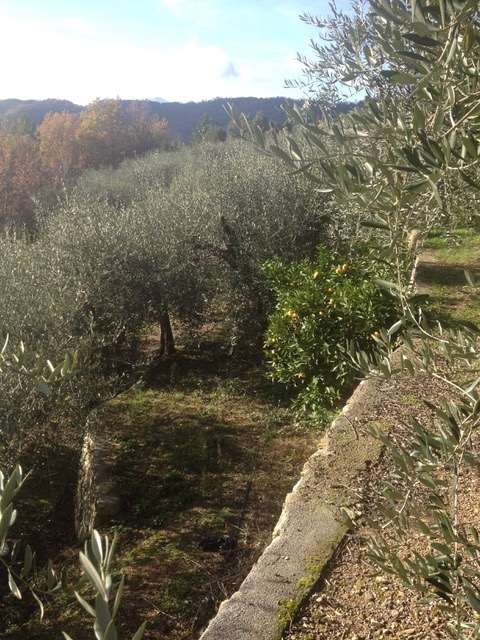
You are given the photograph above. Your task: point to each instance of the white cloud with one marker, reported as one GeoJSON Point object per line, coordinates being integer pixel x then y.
{"type": "Point", "coordinates": [75, 25]}
{"type": "Point", "coordinates": [175, 6]}
{"type": "Point", "coordinates": [198, 10]}
{"type": "Point", "coordinates": [71, 59]}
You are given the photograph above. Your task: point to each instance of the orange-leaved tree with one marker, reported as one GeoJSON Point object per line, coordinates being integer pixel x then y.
{"type": "Point", "coordinates": [21, 178]}
{"type": "Point", "coordinates": [102, 134]}
{"type": "Point", "coordinates": [109, 132]}
{"type": "Point", "coordinates": [59, 146]}
{"type": "Point", "coordinates": [146, 130]}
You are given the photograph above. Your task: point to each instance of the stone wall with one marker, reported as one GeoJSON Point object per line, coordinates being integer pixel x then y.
{"type": "Point", "coordinates": [97, 499]}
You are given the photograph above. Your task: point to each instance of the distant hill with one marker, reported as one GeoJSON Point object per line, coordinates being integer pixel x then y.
{"type": "Point", "coordinates": [31, 112]}
{"type": "Point", "coordinates": [182, 117]}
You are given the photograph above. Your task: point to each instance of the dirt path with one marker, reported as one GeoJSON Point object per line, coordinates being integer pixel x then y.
{"type": "Point", "coordinates": [353, 601]}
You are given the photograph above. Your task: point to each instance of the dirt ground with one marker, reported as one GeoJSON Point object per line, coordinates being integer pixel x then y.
{"type": "Point", "coordinates": [204, 457]}
{"type": "Point", "coordinates": [354, 601]}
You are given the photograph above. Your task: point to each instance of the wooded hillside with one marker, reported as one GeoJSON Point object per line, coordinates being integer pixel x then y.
{"type": "Point", "coordinates": [182, 117]}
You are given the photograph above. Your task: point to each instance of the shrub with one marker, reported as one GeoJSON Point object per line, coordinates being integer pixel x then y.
{"type": "Point", "coordinates": [133, 177]}
{"type": "Point", "coordinates": [323, 306]}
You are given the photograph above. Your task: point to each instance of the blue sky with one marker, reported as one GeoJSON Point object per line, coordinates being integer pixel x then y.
{"type": "Point", "coordinates": [176, 49]}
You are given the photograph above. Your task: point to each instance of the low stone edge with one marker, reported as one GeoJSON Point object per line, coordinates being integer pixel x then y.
{"type": "Point", "coordinates": [97, 497]}
{"type": "Point", "coordinates": [308, 532]}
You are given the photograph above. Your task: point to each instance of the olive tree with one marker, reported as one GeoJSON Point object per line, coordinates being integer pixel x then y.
{"type": "Point", "coordinates": [215, 213]}
{"type": "Point", "coordinates": [229, 210]}
{"type": "Point", "coordinates": [405, 158]}
{"type": "Point", "coordinates": [23, 573]}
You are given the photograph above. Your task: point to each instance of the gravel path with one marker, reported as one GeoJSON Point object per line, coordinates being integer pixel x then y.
{"type": "Point", "coordinates": [353, 601]}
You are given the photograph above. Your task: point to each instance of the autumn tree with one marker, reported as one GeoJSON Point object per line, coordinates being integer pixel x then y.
{"type": "Point", "coordinates": [20, 178]}
{"type": "Point", "coordinates": [109, 132]}
{"type": "Point", "coordinates": [101, 134]}
{"type": "Point", "coordinates": [146, 130]}
{"type": "Point", "coordinates": [59, 146]}
{"type": "Point", "coordinates": [36, 165]}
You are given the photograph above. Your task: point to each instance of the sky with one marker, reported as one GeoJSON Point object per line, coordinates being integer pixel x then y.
{"type": "Point", "coordinates": [181, 50]}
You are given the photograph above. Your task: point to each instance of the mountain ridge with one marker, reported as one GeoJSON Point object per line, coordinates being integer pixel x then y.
{"type": "Point", "coordinates": [182, 117]}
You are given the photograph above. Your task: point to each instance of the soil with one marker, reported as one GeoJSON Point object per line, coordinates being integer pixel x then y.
{"type": "Point", "coordinates": [204, 456]}
{"type": "Point", "coordinates": [354, 600]}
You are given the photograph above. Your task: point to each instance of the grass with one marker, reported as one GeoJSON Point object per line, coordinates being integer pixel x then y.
{"type": "Point", "coordinates": [196, 467]}
{"type": "Point", "coordinates": [455, 258]}
{"type": "Point", "coordinates": [453, 303]}
{"type": "Point", "coordinates": [202, 464]}
{"type": "Point", "coordinates": [460, 247]}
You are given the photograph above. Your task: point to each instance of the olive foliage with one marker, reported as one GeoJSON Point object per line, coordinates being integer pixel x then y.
{"type": "Point", "coordinates": [222, 210]}
{"type": "Point", "coordinates": [407, 158]}
{"type": "Point", "coordinates": [183, 233]}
